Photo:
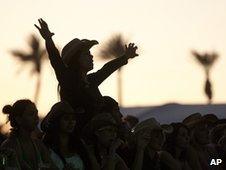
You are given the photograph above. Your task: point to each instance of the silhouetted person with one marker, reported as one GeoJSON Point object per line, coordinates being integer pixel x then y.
{"type": "Point", "coordinates": [71, 68]}
{"type": "Point", "coordinates": [178, 145]}
{"type": "Point", "coordinates": [102, 133]}
{"type": "Point", "coordinates": [146, 147]}
{"type": "Point", "coordinates": [66, 147]}
{"type": "Point", "coordinates": [31, 153]}
{"type": "Point", "coordinates": [112, 107]}
{"type": "Point", "coordinates": [200, 140]}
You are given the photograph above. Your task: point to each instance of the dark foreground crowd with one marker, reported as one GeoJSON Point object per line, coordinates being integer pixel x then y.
{"type": "Point", "coordinates": [86, 131]}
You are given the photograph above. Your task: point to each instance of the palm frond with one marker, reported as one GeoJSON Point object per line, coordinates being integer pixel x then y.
{"type": "Point", "coordinates": [114, 47]}
{"type": "Point", "coordinates": [22, 56]}
{"type": "Point", "coordinates": [206, 59]}
{"type": "Point", "coordinates": [34, 43]}
{"type": "Point", "coordinates": [35, 56]}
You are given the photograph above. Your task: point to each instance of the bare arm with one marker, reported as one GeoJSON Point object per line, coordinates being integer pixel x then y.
{"type": "Point", "coordinates": [113, 161]}
{"type": "Point", "coordinates": [115, 64]}
{"type": "Point", "coordinates": [142, 142]}
{"type": "Point", "coordinates": [138, 161]}
{"type": "Point", "coordinates": [54, 55]}
{"type": "Point", "coordinates": [91, 156]}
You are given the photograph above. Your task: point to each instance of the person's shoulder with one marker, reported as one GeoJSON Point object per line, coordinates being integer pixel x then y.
{"type": "Point", "coordinates": [9, 146]}
{"type": "Point", "coordinates": [10, 142]}
{"type": "Point", "coordinates": [91, 75]}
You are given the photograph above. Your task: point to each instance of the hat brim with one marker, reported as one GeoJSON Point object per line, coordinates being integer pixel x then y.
{"type": "Point", "coordinates": [164, 128]}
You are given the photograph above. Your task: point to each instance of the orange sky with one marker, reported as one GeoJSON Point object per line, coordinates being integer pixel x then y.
{"type": "Point", "coordinates": [165, 32]}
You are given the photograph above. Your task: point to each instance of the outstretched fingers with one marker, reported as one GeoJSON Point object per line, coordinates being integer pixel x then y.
{"type": "Point", "coordinates": [43, 29]}
{"type": "Point", "coordinates": [37, 27]}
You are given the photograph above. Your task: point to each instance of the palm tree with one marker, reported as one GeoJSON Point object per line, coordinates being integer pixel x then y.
{"type": "Point", "coordinates": [206, 60]}
{"type": "Point", "coordinates": [35, 57]}
{"type": "Point", "coordinates": [115, 47]}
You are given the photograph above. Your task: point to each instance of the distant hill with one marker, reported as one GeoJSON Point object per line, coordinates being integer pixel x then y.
{"type": "Point", "coordinates": [174, 112]}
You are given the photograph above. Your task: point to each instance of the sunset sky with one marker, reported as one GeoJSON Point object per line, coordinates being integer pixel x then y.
{"type": "Point", "coordinates": [164, 31]}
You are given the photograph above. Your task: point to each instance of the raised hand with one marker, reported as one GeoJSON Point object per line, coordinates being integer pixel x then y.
{"type": "Point", "coordinates": [43, 29]}
{"type": "Point", "coordinates": [130, 51]}
{"type": "Point", "coordinates": [142, 140]}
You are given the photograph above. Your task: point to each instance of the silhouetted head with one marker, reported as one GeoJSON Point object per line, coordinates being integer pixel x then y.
{"type": "Point", "coordinates": [217, 132]}
{"type": "Point", "coordinates": [180, 135]}
{"type": "Point", "coordinates": [179, 138]}
{"type": "Point", "coordinates": [111, 106]}
{"type": "Point", "coordinates": [153, 132]}
{"type": "Point", "coordinates": [211, 119]}
{"type": "Point", "coordinates": [106, 135]}
{"type": "Point", "coordinates": [61, 118]}
{"type": "Point", "coordinates": [102, 129]}
{"type": "Point", "coordinates": [22, 114]}
{"type": "Point", "coordinates": [198, 126]}
{"type": "Point", "coordinates": [76, 54]}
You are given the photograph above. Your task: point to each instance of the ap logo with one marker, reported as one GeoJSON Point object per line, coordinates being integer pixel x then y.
{"type": "Point", "coordinates": [215, 161]}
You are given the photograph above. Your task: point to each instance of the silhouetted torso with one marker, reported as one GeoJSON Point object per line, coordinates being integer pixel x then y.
{"type": "Point", "coordinates": [77, 92]}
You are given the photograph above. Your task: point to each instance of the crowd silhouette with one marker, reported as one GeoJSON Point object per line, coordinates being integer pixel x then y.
{"type": "Point", "coordinates": [87, 131]}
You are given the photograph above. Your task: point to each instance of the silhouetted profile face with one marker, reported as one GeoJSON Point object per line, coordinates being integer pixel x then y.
{"type": "Point", "coordinates": [67, 123]}
{"type": "Point", "coordinates": [157, 139]}
{"type": "Point", "coordinates": [29, 119]}
{"type": "Point", "coordinates": [106, 135]}
{"type": "Point", "coordinates": [202, 134]}
{"type": "Point", "coordinates": [84, 61]}
{"type": "Point", "coordinates": [182, 138]}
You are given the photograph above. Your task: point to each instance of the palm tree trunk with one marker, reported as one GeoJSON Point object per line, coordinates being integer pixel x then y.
{"type": "Point", "coordinates": [120, 86]}
{"type": "Point", "coordinates": [208, 87]}
{"type": "Point", "coordinates": [37, 90]}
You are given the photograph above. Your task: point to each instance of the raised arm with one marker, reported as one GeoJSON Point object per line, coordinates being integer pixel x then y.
{"type": "Point", "coordinates": [54, 55]}
{"type": "Point", "coordinates": [115, 64]}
